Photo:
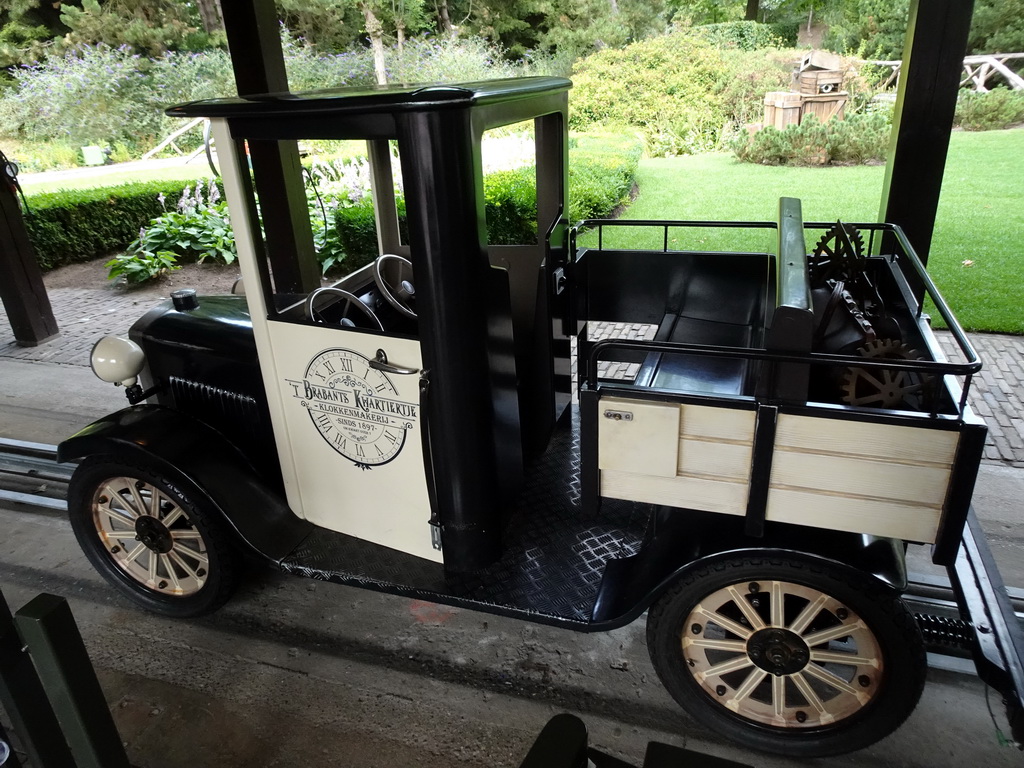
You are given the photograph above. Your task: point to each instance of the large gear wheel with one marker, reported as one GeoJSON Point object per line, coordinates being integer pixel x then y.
{"type": "Point", "coordinates": [883, 387]}
{"type": "Point", "coordinates": [838, 255]}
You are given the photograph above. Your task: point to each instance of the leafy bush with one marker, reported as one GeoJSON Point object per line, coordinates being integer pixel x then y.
{"type": "Point", "coordinates": [999, 108]}
{"type": "Point", "coordinates": [448, 59]}
{"type": "Point", "coordinates": [663, 85]}
{"type": "Point", "coordinates": [510, 206]}
{"type": "Point", "coordinates": [870, 29]}
{"type": "Point", "coordinates": [745, 79]}
{"type": "Point", "coordinates": [742, 35]}
{"type": "Point", "coordinates": [602, 173]}
{"type": "Point", "coordinates": [860, 138]}
{"type": "Point", "coordinates": [35, 156]}
{"type": "Point", "coordinates": [199, 229]}
{"type": "Point", "coordinates": [787, 32]}
{"type": "Point", "coordinates": [88, 96]}
{"type": "Point", "coordinates": [73, 226]}
{"type": "Point", "coordinates": [309, 69]}
{"type": "Point", "coordinates": [141, 266]}
{"type": "Point", "coordinates": [601, 176]}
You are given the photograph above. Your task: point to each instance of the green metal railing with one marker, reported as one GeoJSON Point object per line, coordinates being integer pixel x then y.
{"type": "Point", "coordinates": [50, 691]}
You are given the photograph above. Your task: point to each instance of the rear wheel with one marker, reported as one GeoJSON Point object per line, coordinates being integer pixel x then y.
{"type": "Point", "coordinates": [788, 655]}
{"type": "Point", "coordinates": [156, 544]}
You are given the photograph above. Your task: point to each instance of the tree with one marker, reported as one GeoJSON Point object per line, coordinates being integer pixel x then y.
{"type": "Point", "coordinates": [150, 27]}
{"type": "Point", "coordinates": [997, 27]}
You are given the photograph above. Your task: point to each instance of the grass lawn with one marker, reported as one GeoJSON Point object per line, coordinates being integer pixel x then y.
{"type": "Point", "coordinates": [980, 217]}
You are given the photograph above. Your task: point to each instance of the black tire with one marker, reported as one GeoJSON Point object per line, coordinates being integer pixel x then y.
{"type": "Point", "coordinates": [184, 568]}
{"type": "Point", "coordinates": [761, 698]}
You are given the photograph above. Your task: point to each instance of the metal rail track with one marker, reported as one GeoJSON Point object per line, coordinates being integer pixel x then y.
{"type": "Point", "coordinates": [31, 477]}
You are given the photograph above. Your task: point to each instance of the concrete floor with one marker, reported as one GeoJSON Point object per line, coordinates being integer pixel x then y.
{"type": "Point", "coordinates": [301, 673]}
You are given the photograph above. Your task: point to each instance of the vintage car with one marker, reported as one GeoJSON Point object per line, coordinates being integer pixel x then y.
{"type": "Point", "coordinates": [710, 422]}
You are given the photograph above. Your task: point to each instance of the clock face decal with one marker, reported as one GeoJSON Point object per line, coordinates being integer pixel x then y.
{"type": "Point", "coordinates": [355, 408]}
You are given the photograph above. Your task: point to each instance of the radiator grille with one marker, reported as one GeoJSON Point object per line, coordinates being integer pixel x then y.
{"type": "Point", "coordinates": [231, 412]}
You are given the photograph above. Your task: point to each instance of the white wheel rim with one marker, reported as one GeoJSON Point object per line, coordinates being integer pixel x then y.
{"type": "Point", "coordinates": [782, 654]}
{"type": "Point", "coordinates": [150, 537]}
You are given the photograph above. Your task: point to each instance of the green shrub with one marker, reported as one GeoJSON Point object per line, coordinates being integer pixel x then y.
{"type": "Point", "coordinates": [197, 230]}
{"type": "Point", "coordinates": [861, 138]}
{"type": "Point", "coordinates": [510, 206]}
{"type": "Point", "coordinates": [745, 79]}
{"type": "Point", "coordinates": [602, 171]}
{"type": "Point", "coordinates": [92, 95]}
{"type": "Point", "coordinates": [356, 230]}
{"type": "Point", "coordinates": [999, 108]}
{"type": "Point", "coordinates": [141, 266]}
{"type": "Point", "coordinates": [742, 35]}
{"type": "Point", "coordinates": [786, 31]}
{"type": "Point", "coordinates": [663, 86]}
{"type": "Point", "coordinates": [33, 157]}
{"type": "Point", "coordinates": [72, 226]}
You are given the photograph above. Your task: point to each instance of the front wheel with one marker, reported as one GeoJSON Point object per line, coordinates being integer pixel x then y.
{"type": "Point", "coordinates": [155, 543]}
{"type": "Point", "coordinates": [788, 655]}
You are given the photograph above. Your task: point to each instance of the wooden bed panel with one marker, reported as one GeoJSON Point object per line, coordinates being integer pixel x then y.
{"type": "Point", "coordinates": [912, 445]}
{"type": "Point", "coordinates": [857, 515]}
{"type": "Point", "coordinates": [709, 449]}
{"type": "Point", "coordinates": [721, 496]}
{"type": "Point", "coordinates": [878, 479]}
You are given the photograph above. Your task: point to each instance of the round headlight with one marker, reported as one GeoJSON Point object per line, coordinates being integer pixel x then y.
{"type": "Point", "coordinates": [117, 359]}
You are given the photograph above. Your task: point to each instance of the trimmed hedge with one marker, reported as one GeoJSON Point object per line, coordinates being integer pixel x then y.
{"type": "Point", "coordinates": [69, 227]}
{"type": "Point", "coordinates": [72, 226]}
{"type": "Point", "coordinates": [602, 171]}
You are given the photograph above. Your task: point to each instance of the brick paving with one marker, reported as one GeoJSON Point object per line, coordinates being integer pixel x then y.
{"type": "Point", "coordinates": [83, 315]}
{"type": "Point", "coordinates": [997, 393]}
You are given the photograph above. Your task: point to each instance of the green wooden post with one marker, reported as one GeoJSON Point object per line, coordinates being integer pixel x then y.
{"type": "Point", "coordinates": [63, 664]}
{"type": "Point", "coordinates": [23, 697]}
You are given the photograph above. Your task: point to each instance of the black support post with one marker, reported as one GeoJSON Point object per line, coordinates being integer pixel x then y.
{"type": "Point", "coordinates": [21, 281]}
{"type": "Point", "coordinates": [254, 41]}
{"type": "Point", "coordinates": [925, 104]}
{"type": "Point", "coordinates": [26, 704]}
{"type": "Point", "coordinates": [449, 259]}
{"type": "Point", "coordinates": [62, 662]}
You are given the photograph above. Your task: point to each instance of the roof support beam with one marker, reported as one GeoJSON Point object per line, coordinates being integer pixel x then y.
{"type": "Point", "coordinates": [925, 103]}
{"type": "Point", "coordinates": [253, 33]}
{"type": "Point", "coordinates": [21, 280]}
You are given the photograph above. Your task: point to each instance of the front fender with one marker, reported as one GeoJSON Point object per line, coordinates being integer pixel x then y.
{"type": "Point", "coordinates": [205, 462]}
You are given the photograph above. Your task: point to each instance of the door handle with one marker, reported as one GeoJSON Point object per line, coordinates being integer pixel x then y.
{"type": "Point", "coordinates": [380, 363]}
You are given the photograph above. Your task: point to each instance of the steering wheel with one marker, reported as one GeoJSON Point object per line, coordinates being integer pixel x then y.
{"type": "Point", "coordinates": [397, 288]}
{"type": "Point", "coordinates": [351, 300]}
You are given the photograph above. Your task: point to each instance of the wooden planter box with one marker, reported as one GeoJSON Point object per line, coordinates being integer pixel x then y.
{"type": "Point", "coordinates": [815, 81]}
{"type": "Point", "coordinates": [782, 108]}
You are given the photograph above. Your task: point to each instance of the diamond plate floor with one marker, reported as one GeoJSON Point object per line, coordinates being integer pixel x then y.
{"type": "Point", "coordinates": [554, 556]}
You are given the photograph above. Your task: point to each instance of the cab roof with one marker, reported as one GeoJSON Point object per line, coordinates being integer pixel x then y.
{"type": "Point", "coordinates": [391, 98]}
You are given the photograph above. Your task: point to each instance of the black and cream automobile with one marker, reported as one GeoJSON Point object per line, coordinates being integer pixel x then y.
{"type": "Point", "coordinates": [709, 422]}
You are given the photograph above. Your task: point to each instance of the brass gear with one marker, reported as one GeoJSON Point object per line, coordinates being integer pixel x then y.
{"type": "Point", "coordinates": [838, 255]}
{"type": "Point", "coordinates": [883, 387]}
